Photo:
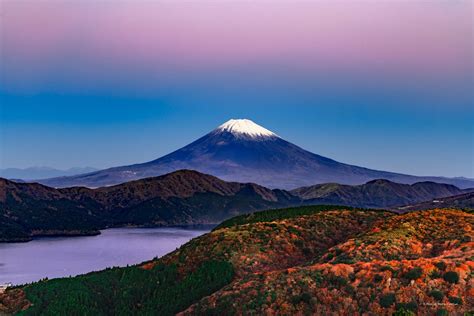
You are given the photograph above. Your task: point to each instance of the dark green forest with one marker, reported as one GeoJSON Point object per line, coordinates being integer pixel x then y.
{"type": "Point", "coordinates": [160, 290]}
{"type": "Point", "coordinates": [280, 214]}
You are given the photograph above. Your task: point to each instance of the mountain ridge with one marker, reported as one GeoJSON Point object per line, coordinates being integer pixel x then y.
{"type": "Point", "coordinates": [179, 198]}
{"type": "Point", "coordinates": [463, 201]}
{"type": "Point", "coordinates": [378, 193]}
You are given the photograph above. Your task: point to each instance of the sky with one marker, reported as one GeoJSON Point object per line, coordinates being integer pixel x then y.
{"type": "Point", "coordinates": [384, 84]}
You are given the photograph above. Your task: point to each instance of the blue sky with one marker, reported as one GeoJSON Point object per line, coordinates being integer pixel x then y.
{"type": "Point", "coordinates": [102, 131]}
{"type": "Point", "coordinates": [382, 84]}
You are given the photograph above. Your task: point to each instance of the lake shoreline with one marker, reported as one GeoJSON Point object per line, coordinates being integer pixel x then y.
{"type": "Point", "coordinates": [64, 233]}
{"type": "Point", "coordinates": [54, 257]}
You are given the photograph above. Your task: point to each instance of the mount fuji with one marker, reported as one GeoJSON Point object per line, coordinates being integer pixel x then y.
{"type": "Point", "coordinates": [242, 151]}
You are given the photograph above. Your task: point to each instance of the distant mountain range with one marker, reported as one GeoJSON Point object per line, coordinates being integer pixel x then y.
{"type": "Point", "coordinates": [42, 172]}
{"type": "Point", "coordinates": [242, 151]}
{"type": "Point", "coordinates": [179, 198]}
{"type": "Point", "coordinates": [462, 201]}
{"type": "Point", "coordinates": [375, 194]}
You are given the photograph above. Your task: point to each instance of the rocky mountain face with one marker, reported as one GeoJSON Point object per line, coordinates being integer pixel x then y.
{"type": "Point", "coordinates": [242, 151]}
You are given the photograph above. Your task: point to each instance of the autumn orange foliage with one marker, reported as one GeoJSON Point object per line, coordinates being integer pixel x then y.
{"type": "Point", "coordinates": [389, 264]}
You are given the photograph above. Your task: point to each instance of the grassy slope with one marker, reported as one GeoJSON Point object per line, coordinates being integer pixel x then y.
{"type": "Point", "coordinates": [323, 262]}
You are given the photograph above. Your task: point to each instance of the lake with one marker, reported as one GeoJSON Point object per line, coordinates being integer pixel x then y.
{"type": "Point", "coordinates": [68, 256]}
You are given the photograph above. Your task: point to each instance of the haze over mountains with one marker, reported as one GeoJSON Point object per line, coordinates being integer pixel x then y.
{"type": "Point", "coordinates": [31, 173]}
{"type": "Point", "coordinates": [242, 151]}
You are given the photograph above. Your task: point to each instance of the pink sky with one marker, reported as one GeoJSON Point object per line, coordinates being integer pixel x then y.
{"type": "Point", "coordinates": [381, 83]}
{"type": "Point", "coordinates": [44, 41]}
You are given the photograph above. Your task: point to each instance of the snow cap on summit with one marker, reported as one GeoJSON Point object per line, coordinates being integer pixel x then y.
{"type": "Point", "coordinates": [245, 127]}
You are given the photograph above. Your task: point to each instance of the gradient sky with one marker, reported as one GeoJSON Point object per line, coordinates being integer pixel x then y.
{"type": "Point", "coordinates": [384, 84]}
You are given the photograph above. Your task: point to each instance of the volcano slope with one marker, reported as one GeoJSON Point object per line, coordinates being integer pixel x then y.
{"type": "Point", "coordinates": [243, 151]}
{"type": "Point", "coordinates": [308, 260]}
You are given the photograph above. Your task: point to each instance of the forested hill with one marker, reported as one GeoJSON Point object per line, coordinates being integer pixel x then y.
{"type": "Point", "coordinates": [462, 201]}
{"type": "Point", "coordinates": [179, 198]}
{"type": "Point", "coordinates": [322, 261]}
{"type": "Point", "coordinates": [375, 194]}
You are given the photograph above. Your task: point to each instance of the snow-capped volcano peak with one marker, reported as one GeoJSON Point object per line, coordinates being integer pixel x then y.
{"type": "Point", "coordinates": [245, 127]}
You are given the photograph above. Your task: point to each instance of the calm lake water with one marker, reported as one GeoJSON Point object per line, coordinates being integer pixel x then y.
{"type": "Point", "coordinates": [68, 256]}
